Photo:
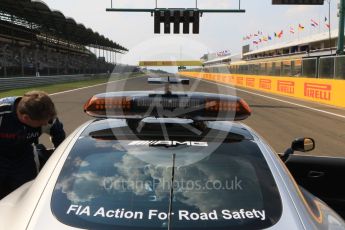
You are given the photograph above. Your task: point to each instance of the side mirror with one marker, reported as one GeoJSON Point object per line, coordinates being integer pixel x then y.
{"type": "Point", "coordinates": [304, 144]}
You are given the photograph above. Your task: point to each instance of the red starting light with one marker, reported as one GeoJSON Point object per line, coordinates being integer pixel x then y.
{"type": "Point", "coordinates": [195, 106]}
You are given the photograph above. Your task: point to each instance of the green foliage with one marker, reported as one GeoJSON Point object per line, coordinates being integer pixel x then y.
{"type": "Point", "coordinates": [54, 88]}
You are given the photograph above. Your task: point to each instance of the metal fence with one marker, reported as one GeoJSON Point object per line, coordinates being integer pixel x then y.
{"type": "Point", "coordinates": [309, 67]}
{"type": "Point", "coordinates": [330, 67]}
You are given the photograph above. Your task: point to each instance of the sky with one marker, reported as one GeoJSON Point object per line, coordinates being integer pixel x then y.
{"type": "Point", "coordinates": [218, 32]}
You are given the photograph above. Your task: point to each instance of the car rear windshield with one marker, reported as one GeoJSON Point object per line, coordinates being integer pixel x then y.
{"type": "Point", "coordinates": [144, 184]}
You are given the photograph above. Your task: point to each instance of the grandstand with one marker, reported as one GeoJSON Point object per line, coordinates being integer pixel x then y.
{"type": "Point", "coordinates": [312, 57]}
{"type": "Point", "coordinates": [35, 40]}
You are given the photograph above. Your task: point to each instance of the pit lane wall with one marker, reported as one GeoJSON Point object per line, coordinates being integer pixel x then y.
{"type": "Point", "coordinates": [326, 91]}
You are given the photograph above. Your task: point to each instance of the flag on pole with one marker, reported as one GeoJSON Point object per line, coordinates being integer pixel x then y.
{"type": "Point", "coordinates": [327, 24]}
{"type": "Point", "coordinates": [292, 30]}
{"type": "Point", "coordinates": [300, 27]}
{"type": "Point", "coordinates": [280, 34]}
{"type": "Point", "coordinates": [314, 22]}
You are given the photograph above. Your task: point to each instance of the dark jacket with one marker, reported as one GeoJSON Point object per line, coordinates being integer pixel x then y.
{"type": "Point", "coordinates": [16, 138]}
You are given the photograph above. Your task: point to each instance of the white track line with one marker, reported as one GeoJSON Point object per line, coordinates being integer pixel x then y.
{"type": "Point", "coordinates": [86, 87]}
{"type": "Point", "coordinates": [276, 99]}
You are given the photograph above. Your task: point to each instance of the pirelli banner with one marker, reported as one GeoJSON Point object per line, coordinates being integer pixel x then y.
{"type": "Point", "coordinates": [327, 91]}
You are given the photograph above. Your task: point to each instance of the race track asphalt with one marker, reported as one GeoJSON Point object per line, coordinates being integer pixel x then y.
{"type": "Point", "coordinates": [277, 119]}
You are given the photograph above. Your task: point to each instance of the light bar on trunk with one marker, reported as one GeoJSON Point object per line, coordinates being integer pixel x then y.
{"type": "Point", "coordinates": [195, 106]}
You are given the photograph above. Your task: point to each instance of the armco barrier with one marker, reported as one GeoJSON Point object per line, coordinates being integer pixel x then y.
{"type": "Point", "coordinates": [23, 82]}
{"type": "Point", "coordinates": [328, 91]}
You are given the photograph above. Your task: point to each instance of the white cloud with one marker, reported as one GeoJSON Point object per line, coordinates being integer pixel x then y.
{"type": "Point", "coordinates": [131, 174]}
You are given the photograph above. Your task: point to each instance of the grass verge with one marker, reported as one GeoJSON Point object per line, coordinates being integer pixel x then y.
{"type": "Point", "coordinates": [66, 86]}
{"type": "Point", "coordinates": [54, 88]}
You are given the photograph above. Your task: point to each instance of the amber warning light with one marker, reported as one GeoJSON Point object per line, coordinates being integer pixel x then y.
{"type": "Point", "coordinates": [195, 106]}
